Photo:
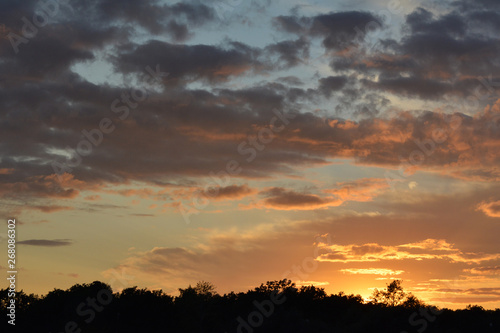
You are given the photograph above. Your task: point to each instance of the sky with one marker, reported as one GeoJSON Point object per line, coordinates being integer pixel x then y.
{"type": "Point", "coordinates": [343, 144]}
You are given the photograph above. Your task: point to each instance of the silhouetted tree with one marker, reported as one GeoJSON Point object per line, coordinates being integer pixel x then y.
{"type": "Point", "coordinates": [312, 292]}
{"type": "Point", "coordinates": [200, 309]}
{"type": "Point", "coordinates": [277, 285]}
{"type": "Point", "coordinates": [394, 295]}
{"type": "Point", "coordinates": [205, 288]}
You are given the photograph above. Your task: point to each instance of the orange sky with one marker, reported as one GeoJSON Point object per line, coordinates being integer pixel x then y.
{"type": "Point", "coordinates": [343, 145]}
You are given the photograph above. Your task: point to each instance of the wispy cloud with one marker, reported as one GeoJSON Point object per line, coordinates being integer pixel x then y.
{"type": "Point", "coordinates": [491, 209]}
{"type": "Point", "coordinates": [429, 249]}
{"type": "Point", "coordinates": [372, 271]}
{"type": "Point", "coordinates": [46, 242]}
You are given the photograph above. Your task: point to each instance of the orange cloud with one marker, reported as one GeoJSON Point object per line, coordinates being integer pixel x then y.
{"type": "Point", "coordinates": [143, 193]}
{"type": "Point", "coordinates": [371, 271]}
{"type": "Point", "coordinates": [431, 244]}
{"type": "Point", "coordinates": [51, 186]}
{"type": "Point", "coordinates": [491, 209]}
{"type": "Point", "coordinates": [6, 171]}
{"type": "Point", "coordinates": [93, 197]}
{"type": "Point", "coordinates": [361, 190]}
{"type": "Point", "coordinates": [372, 252]}
{"type": "Point", "coordinates": [312, 283]}
{"type": "Point", "coordinates": [487, 270]}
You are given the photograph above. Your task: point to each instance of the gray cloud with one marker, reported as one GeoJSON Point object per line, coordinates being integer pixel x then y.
{"type": "Point", "coordinates": [186, 63]}
{"type": "Point", "coordinates": [46, 242]}
{"type": "Point", "coordinates": [338, 29]}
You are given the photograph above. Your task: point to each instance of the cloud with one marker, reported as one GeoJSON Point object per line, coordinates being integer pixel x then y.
{"type": "Point", "coordinates": [434, 250]}
{"type": "Point", "coordinates": [491, 209]}
{"type": "Point", "coordinates": [6, 171]}
{"type": "Point", "coordinates": [312, 283]}
{"type": "Point", "coordinates": [282, 199]}
{"type": "Point", "coordinates": [371, 271]}
{"type": "Point", "coordinates": [230, 192]}
{"type": "Point", "coordinates": [225, 258]}
{"type": "Point", "coordinates": [290, 52]}
{"type": "Point", "coordinates": [485, 270]}
{"type": "Point", "coordinates": [153, 16]}
{"type": "Point", "coordinates": [186, 132]}
{"type": "Point", "coordinates": [188, 63]}
{"type": "Point", "coordinates": [46, 242]}
{"type": "Point", "coordinates": [50, 186]}
{"type": "Point", "coordinates": [93, 197]}
{"type": "Point", "coordinates": [307, 141]}
{"type": "Point", "coordinates": [331, 84]}
{"type": "Point", "coordinates": [430, 244]}
{"type": "Point", "coordinates": [72, 275]}
{"type": "Point", "coordinates": [51, 208]}
{"type": "Point", "coordinates": [437, 55]}
{"type": "Point", "coordinates": [143, 193]}
{"type": "Point", "coordinates": [338, 29]}
{"type": "Point", "coordinates": [361, 190]}
{"type": "Point", "coordinates": [473, 291]}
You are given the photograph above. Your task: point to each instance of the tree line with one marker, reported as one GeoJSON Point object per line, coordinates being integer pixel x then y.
{"type": "Point", "coordinates": [274, 306]}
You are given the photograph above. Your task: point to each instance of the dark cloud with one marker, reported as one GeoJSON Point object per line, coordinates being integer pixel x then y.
{"type": "Point", "coordinates": [422, 21]}
{"type": "Point", "coordinates": [12, 11]}
{"type": "Point", "coordinates": [291, 80]}
{"type": "Point", "coordinates": [290, 52]}
{"type": "Point", "coordinates": [179, 134]}
{"type": "Point", "coordinates": [338, 30]}
{"type": "Point", "coordinates": [211, 126]}
{"type": "Point", "coordinates": [331, 84]}
{"type": "Point", "coordinates": [467, 6]}
{"type": "Point", "coordinates": [43, 55]}
{"type": "Point", "coordinates": [290, 24]}
{"type": "Point", "coordinates": [152, 15]}
{"type": "Point", "coordinates": [49, 186]}
{"type": "Point", "coordinates": [473, 291]}
{"type": "Point", "coordinates": [281, 198]}
{"type": "Point", "coordinates": [186, 63]}
{"type": "Point", "coordinates": [344, 28]}
{"type": "Point", "coordinates": [484, 270]}
{"type": "Point", "coordinates": [178, 31]}
{"type": "Point", "coordinates": [46, 242]}
{"type": "Point", "coordinates": [438, 54]}
{"type": "Point", "coordinates": [228, 192]}
{"type": "Point", "coordinates": [411, 87]}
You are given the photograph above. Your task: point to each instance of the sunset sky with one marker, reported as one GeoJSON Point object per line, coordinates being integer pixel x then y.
{"type": "Point", "coordinates": [337, 143]}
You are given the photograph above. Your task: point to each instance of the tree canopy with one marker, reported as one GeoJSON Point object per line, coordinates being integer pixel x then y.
{"type": "Point", "coordinates": [274, 306]}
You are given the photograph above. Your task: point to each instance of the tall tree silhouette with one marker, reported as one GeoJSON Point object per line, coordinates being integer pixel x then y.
{"type": "Point", "coordinates": [394, 295]}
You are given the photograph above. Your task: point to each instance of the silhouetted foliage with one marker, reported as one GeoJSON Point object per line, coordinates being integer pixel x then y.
{"type": "Point", "coordinates": [205, 288]}
{"type": "Point", "coordinates": [276, 306]}
{"type": "Point", "coordinates": [392, 296]}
